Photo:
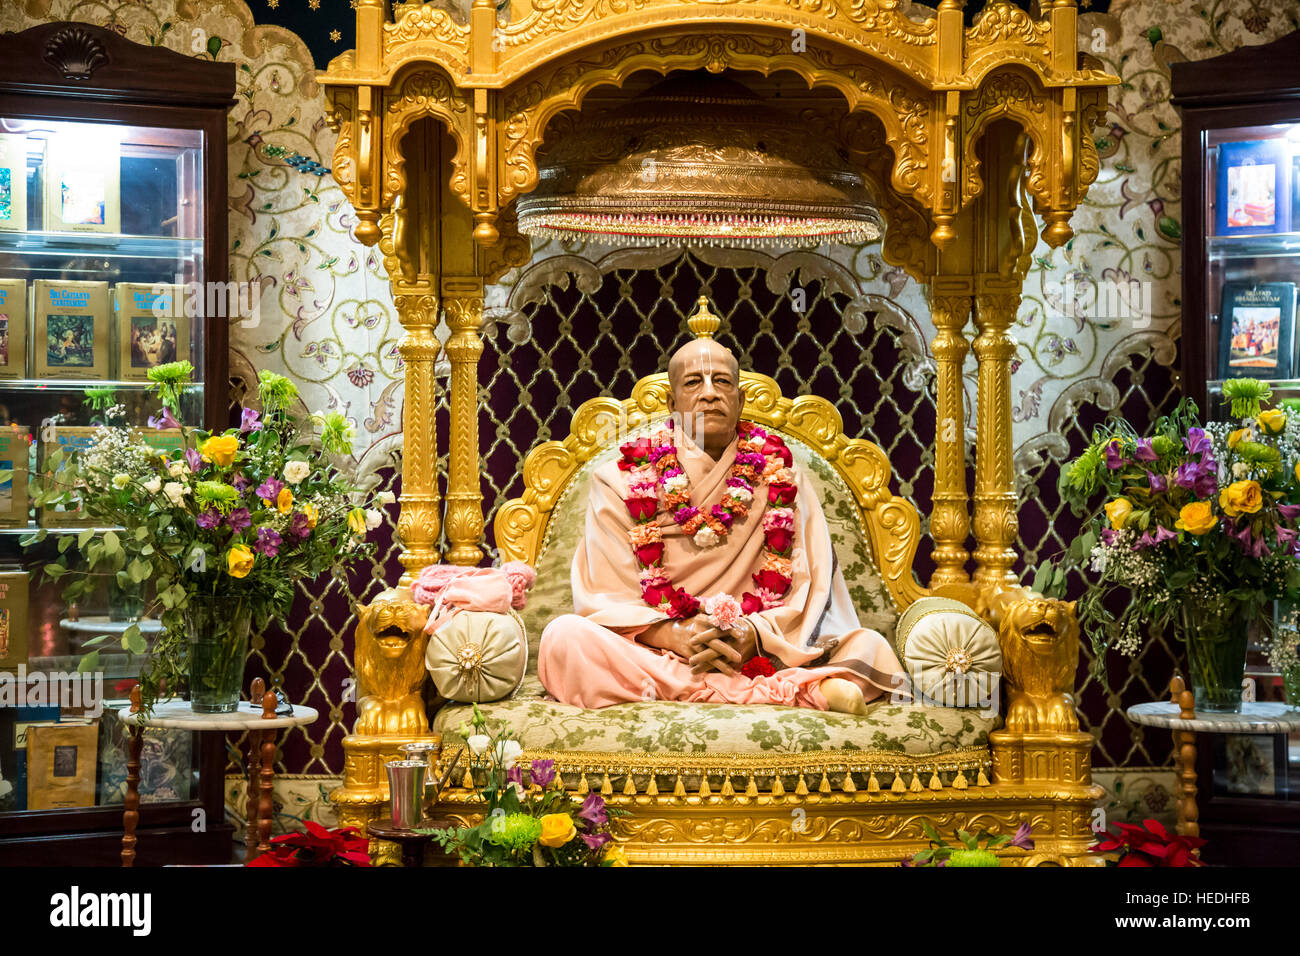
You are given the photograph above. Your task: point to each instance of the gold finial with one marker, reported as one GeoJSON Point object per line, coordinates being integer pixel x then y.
{"type": "Point", "coordinates": [702, 322]}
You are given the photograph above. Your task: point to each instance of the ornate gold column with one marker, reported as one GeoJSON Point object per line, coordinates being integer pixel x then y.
{"type": "Point", "coordinates": [463, 301]}
{"type": "Point", "coordinates": [949, 519]}
{"type": "Point", "coordinates": [996, 523]}
{"type": "Point", "coordinates": [418, 521]}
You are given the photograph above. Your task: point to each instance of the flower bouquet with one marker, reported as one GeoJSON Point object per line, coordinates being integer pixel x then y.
{"type": "Point", "coordinates": [1150, 845]}
{"type": "Point", "coordinates": [538, 824]}
{"type": "Point", "coordinates": [972, 849]}
{"type": "Point", "coordinates": [1199, 531]}
{"type": "Point", "coordinates": [317, 846]}
{"type": "Point", "coordinates": [215, 531]}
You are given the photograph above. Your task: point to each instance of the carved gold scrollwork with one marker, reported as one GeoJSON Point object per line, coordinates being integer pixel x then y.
{"type": "Point", "coordinates": [423, 93]}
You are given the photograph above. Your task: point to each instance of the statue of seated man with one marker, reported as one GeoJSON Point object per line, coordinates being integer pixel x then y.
{"type": "Point", "coordinates": [710, 506]}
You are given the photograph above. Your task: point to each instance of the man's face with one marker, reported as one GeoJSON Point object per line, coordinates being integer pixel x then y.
{"type": "Point", "coordinates": [705, 392]}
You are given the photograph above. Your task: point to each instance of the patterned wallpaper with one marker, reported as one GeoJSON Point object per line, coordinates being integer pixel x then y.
{"type": "Point", "coordinates": [335, 329]}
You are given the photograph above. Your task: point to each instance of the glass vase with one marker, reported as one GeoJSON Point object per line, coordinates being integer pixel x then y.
{"type": "Point", "coordinates": [217, 632]}
{"type": "Point", "coordinates": [125, 604]}
{"type": "Point", "coordinates": [1215, 638]}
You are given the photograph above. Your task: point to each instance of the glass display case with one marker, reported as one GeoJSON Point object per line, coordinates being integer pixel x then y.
{"type": "Point", "coordinates": [112, 234]}
{"type": "Point", "coordinates": [1241, 272]}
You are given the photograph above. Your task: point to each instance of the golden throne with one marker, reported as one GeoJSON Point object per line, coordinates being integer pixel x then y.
{"type": "Point", "coordinates": [967, 137]}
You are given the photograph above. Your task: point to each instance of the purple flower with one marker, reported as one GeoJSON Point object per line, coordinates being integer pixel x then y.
{"type": "Point", "coordinates": [1114, 460]}
{"type": "Point", "coordinates": [1144, 450]}
{"type": "Point", "coordinates": [753, 459]}
{"type": "Point", "coordinates": [249, 421]}
{"type": "Point", "coordinates": [1289, 511]}
{"type": "Point", "coordinates": [1108, 535]}
{"type": "Point", "coordinates": [239, 519]}
{"type": "Point", "coordinates": [269, 489]}
{"type": "Point", "coordinates": [299, 527]}
{"type": "Point", "coordinates": [722, 514]}
{"type": "Point", "coordinates": [1022, 838]}
{"type": "Point", "coordinates": [593, 810]}
{"type": "Point", "coordinates": [1197, 442]}
{"type": "Point", "coordinates": [542, 772]}
{"type": "Point", "coordinates": [1157, 482]}
{"type": "Point", "coordinates": [241, 483]}
{"type": "Point", "coordinates": [739, 483]}
{"type": "Point", "coordinates": [268, 542]}
{"type": "Point", "coordinates": [1164, 534]}
{"type": "Point", "coordinates": [165, 419]}
{"type": "Point", "coordinates": [596, 840]}
{"type": "Point", "coordinates": [1286, 537]}
{"type": "Point", "coordinates": [1145, 541]}
{"type": "Point", "coordinates": [685, 513]}
{"type": "Point", "coordinates": [194, 459]}
{"type": "Point", "coordinates": [658, 451]}
{"type": "Point", "coordinates": [1199, 477]}
{"type": "Point", "coordinates": [207, 520]}
{"type": "Point", "coordinates": [515, 775]}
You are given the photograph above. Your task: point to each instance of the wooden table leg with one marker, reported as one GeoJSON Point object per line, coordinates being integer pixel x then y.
{"type": "Point", "coordinates": [251, 808]}
{"type": "Point", "coordinates": [264, 805]}
{"type": "Point", "coordinates": [1185, 756]}
{"type": "Point", "coordinates": [131, 802]}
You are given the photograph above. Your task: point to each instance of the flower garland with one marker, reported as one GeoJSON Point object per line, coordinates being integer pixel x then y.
{"type": "Point", "coordinates": [652, 466]}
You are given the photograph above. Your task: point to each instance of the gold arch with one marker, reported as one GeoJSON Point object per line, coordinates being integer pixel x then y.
{"type": "Point", "coordinates": [892, 523]}
{"type": "Point", "coordinates": [416, 94]}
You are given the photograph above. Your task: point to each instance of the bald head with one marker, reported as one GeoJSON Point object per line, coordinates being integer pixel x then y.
{"type": "Point", "coordinates": [704, 392]}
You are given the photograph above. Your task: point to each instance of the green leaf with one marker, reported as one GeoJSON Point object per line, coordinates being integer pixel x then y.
{"type": "Point", "coordinates": [1042, 575]}
{"type": "Point", "coordinates": [133, 640]}
{"type": "Point", "coordinates": [932, 833]}
{"type": "Point", "coordinates": [63, 544]}
{"type": "Point", "coordinates": [967, 840]}
{"type": "Point", "coordinates": [214, 46]}
{"type": "Point", "coordinates": [84, 537]}
{"type": "Point", "coordinates": [95, 640]}
{"type": "Point", "coordinates": [55, 570]}
{"type": "Point", "coordinates": [112, 543]}
{"type": "Point", "coordinates": [88, 663]}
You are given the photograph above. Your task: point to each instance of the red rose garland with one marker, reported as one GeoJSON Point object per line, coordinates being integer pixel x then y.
{"type": "Point", "coordinates": [652, 467]}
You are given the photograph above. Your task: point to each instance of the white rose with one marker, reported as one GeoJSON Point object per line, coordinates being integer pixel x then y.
{"type": "Point", "coordinates": [121, 480]}
{"type": "Point", "coordinates": [706, 537]}
{"type": "Point", "coordinates": [174, 491]}
{"type": "Point", "coordinates": [296, 471]}
{"type": "Point", "coordinates": [385, 498]}
{"type": "Point", "coordinates": [508, 752]}
{"type": "Point", "coordinates": [178, 469]}
{"type": "Point", "coordinates": [153, 486]}
{"type": "Point", "coordinates": [373, 519]}
{"type": "Point", "coordinates": [478, 743]}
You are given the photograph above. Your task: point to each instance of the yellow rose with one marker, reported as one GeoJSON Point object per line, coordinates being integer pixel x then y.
{"type": "Point", "coordinates": [1241, 497]}
{"type": "Point", "coordinates": [1197, 517]}
{"type": "Point", "coordinates": [557, 829]}
{"type": "Point", "coordinates": [220, 449]}
{"type": "Point", "coordinates": [239, 561]}
{"type": "Point", "coordinates": [1237, 436]}
{"type": "Point", "coordinates": [614, 856]}
{"type": "Point", "coordinates": [1272, 421]}
{"type": "Point", "coordinates": [1117, 511]}
{"type": "Point", "coordinates": [357, 521]}
{"type": "Point", "coordinates": [284, 501]}
{"type": "Point", "coordinates": [313, 515]}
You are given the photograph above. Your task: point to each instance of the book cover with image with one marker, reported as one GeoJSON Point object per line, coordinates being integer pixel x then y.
{"type": "Point", "coordinates": [15, 443]}
{"type": "Point", "coordinates": [83, 175]}
{"type": "Point", "coordinates": [1256, 338]}
{"type": "Point", "coordinates": [70, 329]}
{"type": "Point", "coordinates": [13, 619]}
{"type": "Point", "coordinates": [1253, 195]}
{"type": "Point", "coordinates": [13, 182]}
{"type": "Point", "coordinates": [13, 328]}
{"type": "Point", "coordinates": [151, 326]}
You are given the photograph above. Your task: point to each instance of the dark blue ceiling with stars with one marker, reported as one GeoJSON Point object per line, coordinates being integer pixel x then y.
{"type": "Point", "coordinates": [328, 27]}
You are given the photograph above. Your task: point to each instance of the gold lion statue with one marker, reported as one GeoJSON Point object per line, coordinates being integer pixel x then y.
{"type": "Point", "coordinates": [390, 665]}
{"type": "Point", "coordinates": [1040, 654]}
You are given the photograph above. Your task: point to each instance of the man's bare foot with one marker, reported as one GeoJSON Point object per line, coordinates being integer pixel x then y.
{"type": "Point", "coordinates": [843, 696]}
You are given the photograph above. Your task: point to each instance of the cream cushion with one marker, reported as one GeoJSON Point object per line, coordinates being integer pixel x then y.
{"type": "Point", "coordinates": [478, 656]}
{"type": "Point", "coordinates": [950, 653]}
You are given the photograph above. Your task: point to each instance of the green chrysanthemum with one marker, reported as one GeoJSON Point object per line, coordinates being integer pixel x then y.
{"type": "Point", "coordinates": [514, 831]}
{"type": "Point", "coordinates": [276, 391]}
{"type": "Point", "coordinates": [1245, 395]}
{"type": "Point", "coordinates": [973, 858]}
{"type": "Point", "coordinates": [100, 399]}
{"type": "Point", "coordinates": [1082, 474]}
{"type": "Point", "coordinates": [1162, 445]}
{"type": "Point", "coordinates": [214, 494]}
{"type": "Point", "coordinates": [167, 381]}
{"type": "Point", "coordinates": [1259, 456]}
{"type": "Point", "coordinates": [335, 433]}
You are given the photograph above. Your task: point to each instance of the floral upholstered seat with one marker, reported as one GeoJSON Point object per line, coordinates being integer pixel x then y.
{"type": "Point", "coordinates": [890, 729]}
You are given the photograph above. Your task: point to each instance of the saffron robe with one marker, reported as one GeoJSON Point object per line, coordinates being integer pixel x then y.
{"type": "Point", "coordinates": [591, 658]}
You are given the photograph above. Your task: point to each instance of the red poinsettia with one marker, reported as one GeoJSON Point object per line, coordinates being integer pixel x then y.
{"type": "Point", "coordinates": [781, 493]}
{"type": "Point", "coordinates": [758, 666]}
{"type": "Point", "coordinates": [317, 846]}
{"type": "Point", "coordinates": [1151, 845]}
